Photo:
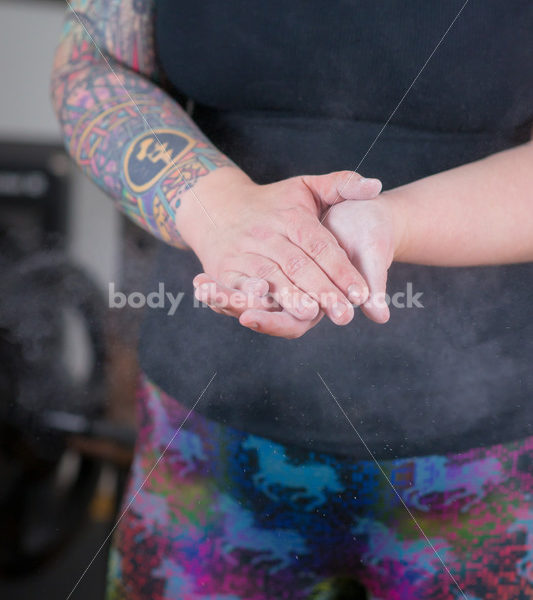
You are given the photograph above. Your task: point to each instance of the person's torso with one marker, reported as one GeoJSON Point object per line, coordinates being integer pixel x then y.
{"type": "Point", "coordinates": [307, 87]}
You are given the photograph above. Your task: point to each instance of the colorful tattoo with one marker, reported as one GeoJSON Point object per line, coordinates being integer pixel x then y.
{"type": "Point", "coordinates": [124, 131]}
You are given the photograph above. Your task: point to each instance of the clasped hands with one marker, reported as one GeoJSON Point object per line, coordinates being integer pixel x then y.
{"type": "Point", "coordinates": [285, 254]}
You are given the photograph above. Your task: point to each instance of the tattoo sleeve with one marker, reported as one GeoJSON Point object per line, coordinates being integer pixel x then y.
{"type": "Point", "coordinates": [124, 131]}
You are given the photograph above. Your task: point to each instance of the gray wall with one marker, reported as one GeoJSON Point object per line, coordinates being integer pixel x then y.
{"type": "Point", "coordinates": [29, 31]}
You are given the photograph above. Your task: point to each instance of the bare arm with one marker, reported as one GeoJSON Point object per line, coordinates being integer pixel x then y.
{"type": "Point", "coordinates": [477, 214]}
{"type": "Point", "coordinates": [139, 145]}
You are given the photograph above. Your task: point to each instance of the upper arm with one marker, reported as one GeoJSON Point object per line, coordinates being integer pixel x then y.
{"type": "Point", "coordinates": [120, 30]}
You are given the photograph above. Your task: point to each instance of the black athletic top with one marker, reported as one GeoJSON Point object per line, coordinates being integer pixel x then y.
{"type": "Point", "coordinates": [296, 87]}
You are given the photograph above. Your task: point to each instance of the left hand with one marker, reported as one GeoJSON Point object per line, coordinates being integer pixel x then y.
{"type": "Point", "coordinates": [368, 232]}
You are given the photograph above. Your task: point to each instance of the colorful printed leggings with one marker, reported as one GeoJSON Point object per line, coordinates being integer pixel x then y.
{"type": "Point", "coordinates": [226, 515]}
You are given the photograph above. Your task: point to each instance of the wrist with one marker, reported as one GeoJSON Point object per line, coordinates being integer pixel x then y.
{"type": "Point", "coordinates": [393, 202]}
{"type": "Point", "coordinates": [202, 208]}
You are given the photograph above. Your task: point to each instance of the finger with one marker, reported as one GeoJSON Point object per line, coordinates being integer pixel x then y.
{"type": "Point", "coordinates": [351, 186]}
{"type": "Point", "coordinates": [254, 285]}
{"type": "Point", "coordinates": [320, 245]}
{"type": "Point", "coordinates": [376, 308]}
{"type": "Point", "coordinates": [277, 324]}
{"type": "Point", "coordinates": [341, 185]}
{"type": "Point", "coordinates": [248, 285]}
{"type": "Point", "coordinates": [281, 289]}
{"type": "Point", "coordinates": [202, 278]}
{"type": "Point", "coordinates": [374, 268]}
{"type": "Point", "coordinates": [212, 293]}
{"type": "Point", "coordinates": [303, 271]}
{"type": "Point", "coordinates": [229, 301]}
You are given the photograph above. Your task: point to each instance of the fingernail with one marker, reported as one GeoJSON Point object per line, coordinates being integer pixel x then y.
{"type": "Point", "coordinates": [254, 325]}
{"type": "Point", "coordinates": [369, 182]}
{"type": "Point", "coordinates": [357, 294]}
{"type": "Point", "coordinates": [306, 304]}
{"type": "Point", "coordinates": [339, 309]}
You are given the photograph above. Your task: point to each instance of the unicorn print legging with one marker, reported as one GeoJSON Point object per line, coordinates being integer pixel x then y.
{"type": "Point", "coordinates": [226, 515]}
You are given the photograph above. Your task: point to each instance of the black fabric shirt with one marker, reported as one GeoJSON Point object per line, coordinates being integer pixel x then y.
{"type": "Point", "coordinates": [305, 87]}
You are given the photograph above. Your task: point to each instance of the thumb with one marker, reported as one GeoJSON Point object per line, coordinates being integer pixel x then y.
{"type": "Point", "coordinates": [373, 267]}
{"type": "Point", "coordinates": [341, 185]}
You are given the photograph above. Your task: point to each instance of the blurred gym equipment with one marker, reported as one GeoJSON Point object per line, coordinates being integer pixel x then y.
{"type": "Point", "coordinates": [48, 406]}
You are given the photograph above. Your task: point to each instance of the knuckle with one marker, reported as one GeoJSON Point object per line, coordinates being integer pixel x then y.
{"type": "Point", "coordinates": [266, 270]}
{"type": "Point", "coordinates": [318, 247]}
{"type": "Point", "coordinates": [295, 264]}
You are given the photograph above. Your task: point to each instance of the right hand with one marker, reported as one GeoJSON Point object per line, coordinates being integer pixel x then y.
{"type": "Point", "coordinates": [272, 233]}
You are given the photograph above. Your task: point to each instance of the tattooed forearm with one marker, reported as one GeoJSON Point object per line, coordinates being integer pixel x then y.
{"type": "Point", "coordinates": [129, 136]}
{"type": "Point", "coordinates": [144, 151]}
